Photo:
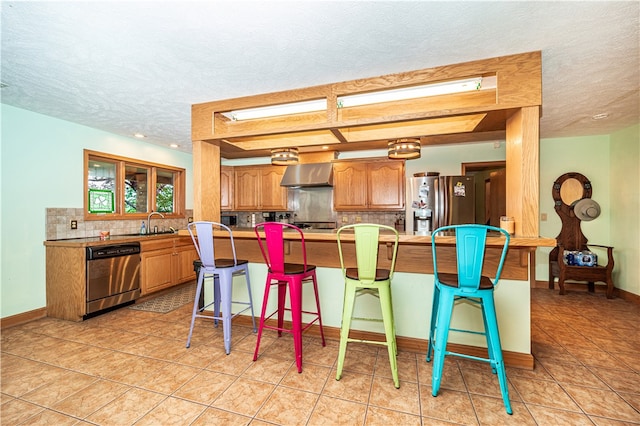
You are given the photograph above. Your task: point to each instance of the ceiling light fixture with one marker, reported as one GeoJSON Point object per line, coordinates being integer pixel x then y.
{"type": "Point", "coordinates": [284, 156]}
{"type": "Point", "coordinates": [276, 110]}
{"type": "Point", "coordinates": [446, 88]}
{"type": "Point", "coordinates": [174, 145]}
{"type": "Point", "coordinates": [404, 149]}
{"type": "Point", "coordinates": [139, 135]}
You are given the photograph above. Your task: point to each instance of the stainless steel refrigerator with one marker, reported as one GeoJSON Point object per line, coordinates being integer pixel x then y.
{"type": "Point", "coordinates": [435, 201]}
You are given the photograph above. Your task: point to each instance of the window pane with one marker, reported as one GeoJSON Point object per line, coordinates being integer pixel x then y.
{"type": "Point", "coordinates": [164, 191]}
{"type": "Point", "coordinates": [136, 189]}
{"type": "Point", "coordinates": [101, 176]}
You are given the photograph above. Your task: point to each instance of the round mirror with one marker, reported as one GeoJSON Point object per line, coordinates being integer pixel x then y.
{"type": "Point", "coordinates": [571, 190]}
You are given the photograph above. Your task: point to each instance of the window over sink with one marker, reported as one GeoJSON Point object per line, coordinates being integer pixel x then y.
{"type": "Point", "coordinates": [125, 188]}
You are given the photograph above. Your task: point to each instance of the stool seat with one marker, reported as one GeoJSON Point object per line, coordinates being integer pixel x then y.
{"type": "Point", "coordinates": [451, 280]}
{"type": "Point", "coordinates": [381, 274]}
{"type": "Point", "coordinates": [367, 279]}
{"type": "Point", "coordinates": [227, 263]}
{"type": "Point", "coordinates": [296, 268]}
{"type": "Point", "coordinates": [222, 271]}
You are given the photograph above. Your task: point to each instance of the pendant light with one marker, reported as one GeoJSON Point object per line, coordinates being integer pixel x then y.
{"type": "Point", "coordinates": [284, 156]}
{"type": "Point", "coordinates": [404, 149]}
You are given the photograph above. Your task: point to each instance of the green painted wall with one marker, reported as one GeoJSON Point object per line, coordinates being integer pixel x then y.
{"type": "Point", "coordinates": [624, 195]}
{"type": "Point", "coordinates": [588, 155]}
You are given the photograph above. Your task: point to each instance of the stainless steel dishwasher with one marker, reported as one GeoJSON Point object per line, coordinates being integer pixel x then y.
{"type": "Point", "coordinates": [113, 276]}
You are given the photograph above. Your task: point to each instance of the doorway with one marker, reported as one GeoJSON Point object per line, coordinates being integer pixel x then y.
{"type": "Point", "coordinates": [491, 197]}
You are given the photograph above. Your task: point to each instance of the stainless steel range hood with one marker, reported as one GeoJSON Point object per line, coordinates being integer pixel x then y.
{"type": "Point", "coordinates": [308, 175]}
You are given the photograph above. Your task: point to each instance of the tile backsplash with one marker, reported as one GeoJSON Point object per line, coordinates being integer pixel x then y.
{"type": "Point", "coordinates": [58, 224]}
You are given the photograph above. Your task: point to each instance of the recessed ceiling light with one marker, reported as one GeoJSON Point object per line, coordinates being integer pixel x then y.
{"type": "Point", "coordinates": [174, 145]}
{"type": "Point", "coordinates": [139, 135]}
{"type": "Point", "coordinates": [601, 116]}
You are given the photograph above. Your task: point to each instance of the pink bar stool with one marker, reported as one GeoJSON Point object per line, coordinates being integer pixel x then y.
{"type": "Point", "coordinates": [286, 275]}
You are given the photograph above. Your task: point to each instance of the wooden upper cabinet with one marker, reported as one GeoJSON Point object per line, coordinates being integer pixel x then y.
{"type": "Point", "coordinates": [258, 188]}
{"type": "Point", "coordinates": [247, 182]}
{"type": "Point", "coordinates": [273, 196]}
{"type": "Point", "coordinates": [226, 187]}
{"type": "Point", "coordinates": [372, 185]}
{"type": "Point", "coordinates": [385, 185]}
{"type": "Point", "coordinates": [349, 186]}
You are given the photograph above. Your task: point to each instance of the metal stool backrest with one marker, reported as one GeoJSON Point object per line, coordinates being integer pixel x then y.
{"type": "Point", "coordinates": [470, 250]}
{"type": "Point", "coordinates": [203, 241]}
{"type": "Point", "coordinates": [366, 240]}
{"type": "Point", "coordinates": [272, 245]}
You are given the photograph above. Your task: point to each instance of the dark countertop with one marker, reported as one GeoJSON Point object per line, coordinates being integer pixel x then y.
{"type": "Point", "coordinates": [113, 239]}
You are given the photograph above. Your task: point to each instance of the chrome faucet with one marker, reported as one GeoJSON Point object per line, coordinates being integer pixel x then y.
{"type": "Point", "coordinates": [149, 221]}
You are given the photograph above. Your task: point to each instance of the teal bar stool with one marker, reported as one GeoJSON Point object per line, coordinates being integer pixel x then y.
{"type": "Point", "coordinates": [367, 278]}
{"type": "Point", "coordinates": [468, 285]}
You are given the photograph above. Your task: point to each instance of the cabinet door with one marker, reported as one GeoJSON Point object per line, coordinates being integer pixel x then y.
{"type": "Point", "coordinates": [385, 185]}
{"type": "Point", "coordinates": [226, 188]}
{"type": "Point", "coordinates": [247, 188]}
{"type": "Point", "coordinates": [156, 270]}
{"type": "Point", "coordinates": [182, 267]}
{"type": "Point", "coordinates": [349, 186]}
{"type": "Point", "coordinates": [274, 196]}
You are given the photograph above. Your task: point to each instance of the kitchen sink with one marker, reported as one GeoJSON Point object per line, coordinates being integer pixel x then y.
{"type": "Point", "coordinates": [145, 235]}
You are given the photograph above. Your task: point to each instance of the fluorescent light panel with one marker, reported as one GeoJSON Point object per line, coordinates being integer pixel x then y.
{"type": "Point", "coordinates": [449, 87]}
{"type": "Point", "coordinates": [277, 110]}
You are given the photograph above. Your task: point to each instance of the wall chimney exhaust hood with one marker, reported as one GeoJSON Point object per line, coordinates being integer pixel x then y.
{"type": "Point", "coordinates": [308, 175]}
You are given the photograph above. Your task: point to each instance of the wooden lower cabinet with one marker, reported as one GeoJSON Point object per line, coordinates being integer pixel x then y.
{"type": "Point", "coordinates": [166, 263]}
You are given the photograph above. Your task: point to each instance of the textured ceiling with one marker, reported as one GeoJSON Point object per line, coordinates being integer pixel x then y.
{"type": "Point", "coordinates": [127, 67]}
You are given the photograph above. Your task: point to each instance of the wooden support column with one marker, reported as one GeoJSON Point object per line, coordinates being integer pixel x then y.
{"type": "Point", "coordinates": [523, 170]}
{"type": "Point", "coordinates": [206, 181]}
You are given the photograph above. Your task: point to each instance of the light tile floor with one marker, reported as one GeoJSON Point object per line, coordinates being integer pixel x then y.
{"type": "Point", "coordinates": [131, 367]}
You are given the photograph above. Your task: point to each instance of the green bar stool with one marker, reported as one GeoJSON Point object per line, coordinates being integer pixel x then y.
{"type": "Point", "coordinates": [367, 278]}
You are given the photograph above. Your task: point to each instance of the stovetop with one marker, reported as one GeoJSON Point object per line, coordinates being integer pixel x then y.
{"type": "Point", "coordinates": [315, 225]}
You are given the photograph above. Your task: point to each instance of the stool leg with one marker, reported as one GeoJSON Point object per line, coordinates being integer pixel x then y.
{"type": "Point", "coordinates": [282, 295]}
{"type": "Point", "coordinates": [315, 291]}
{"type": "Point", "coordinates": [216, 298]}
{"type": "Point", "coordinates": [195, 305]}
{"type": "Point", "coordinates": [246, 276]}
{"type": "Point", "coordinates": [496, 348]}
{"type": "Point", "coordinates": [295, 294]}
{"type": "Point", "coordinates": [445, 310]}
{"type": "Point", "coordinates": [434, 319]}
{"type": "Point", "coordinates": [384, 292]}
{"type": "Point", "coordinates": [265, 300]}
{"type": "Point", "coordinates": [487, 335]}
{"type": "Point", "coordinates": [226, 283]}
{"type": "Point", "coordinates": [347, 313]}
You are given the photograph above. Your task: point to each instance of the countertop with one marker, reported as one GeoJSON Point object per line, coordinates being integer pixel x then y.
{"type": "Point", "coordinates": [113, 239]}
{"type": "Point", "coordinates": [309, 235]}
{"type": "Point", "coordinates": [405, 238]}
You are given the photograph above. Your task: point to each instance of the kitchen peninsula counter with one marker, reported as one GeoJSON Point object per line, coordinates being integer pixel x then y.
{"type": "Point", "coordinates": [412, 284]}
{"type": "Point", "coordinates": [405, 238]}
{"type": "Point", "coordinates": [414, 251]}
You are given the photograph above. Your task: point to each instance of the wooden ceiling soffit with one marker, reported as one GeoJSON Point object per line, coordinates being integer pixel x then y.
{"type": "Point", "coordinates": [416, 128]}
{"type": "Point", "coordinates": [518, 84]}
{"type": "Point", "coordinates": [299, 139]}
